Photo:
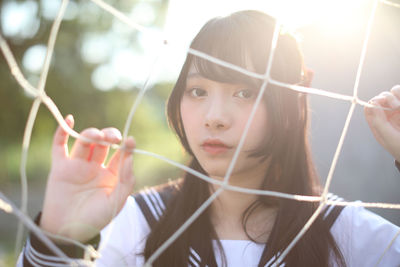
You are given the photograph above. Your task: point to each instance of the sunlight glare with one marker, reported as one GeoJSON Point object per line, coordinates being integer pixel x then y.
{"type": "Point", "coordinates": [294, 14]}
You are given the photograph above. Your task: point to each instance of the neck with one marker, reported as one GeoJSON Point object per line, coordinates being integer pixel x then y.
{"type": "Point", "coordinates": [231, 204]}
{"type": "Point", "coordinates": [228, 209]}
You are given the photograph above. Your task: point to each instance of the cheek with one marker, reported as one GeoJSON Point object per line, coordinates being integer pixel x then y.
{"type": "Point", "coordinates": [189, 119]}
{"type": "Point", "coordinates": [184, 115]}
{"type": "Point", "coordinates": [258, 131]}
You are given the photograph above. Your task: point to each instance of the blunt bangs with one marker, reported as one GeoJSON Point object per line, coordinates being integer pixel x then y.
{"type": "Point", "coordinates": [234, 39]}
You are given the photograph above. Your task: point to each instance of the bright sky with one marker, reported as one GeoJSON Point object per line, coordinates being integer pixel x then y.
{"type": "Point", "coordinates": [185, 18]}
{"type": "Point", "coordinates": [189, 15]}
{"type": "Point", "coordinates": [120, 66]}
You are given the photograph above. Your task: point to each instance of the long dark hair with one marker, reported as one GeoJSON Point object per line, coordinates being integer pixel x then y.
{"type": "Point", "coordinates": [244, 39]}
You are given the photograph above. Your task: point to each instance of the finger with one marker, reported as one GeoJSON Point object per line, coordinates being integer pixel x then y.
{"type": "Point", "coordinates": [125, 184]}
{"type": "Point", "coordinates": [83, 149]}
{"type": "Point", "coordinates": [114, 163]}
{"type": "Point", "coordinates": [99, 152]}
{"type": "Point", "coordinates": [127, 171]}
{"type": "Point", "coordinates": [375, 114]}
{"type": "Point", "coordinates": [60, 140]}
{"type": "Point", "coordinates": [396, 91]}
{"type": "Point", "coordinates": [391, 100]}
{"type": "Point", "coordinates": [377, 118]}
{"type": "Point", "coordinates": [112, 135]}
{"type": "Point", "coordinates": [379, 101]}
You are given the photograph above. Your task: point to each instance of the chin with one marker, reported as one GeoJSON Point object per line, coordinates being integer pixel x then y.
{"type": "Point", "coordinates": [215, 168]}
{"type": "Point", "coordinates": [215, 173]}
{"type": "Point", "coordinates": [217, 176]}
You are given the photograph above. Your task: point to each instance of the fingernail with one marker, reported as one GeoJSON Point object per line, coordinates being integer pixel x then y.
{"type": "Point", "coordinates": [118, 135]}
{"type": "Point", "coordinates": [69, 119]}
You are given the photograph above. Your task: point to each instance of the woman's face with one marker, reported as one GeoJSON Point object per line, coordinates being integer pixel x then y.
{"type": "Point", "coordinates": [214, 116]}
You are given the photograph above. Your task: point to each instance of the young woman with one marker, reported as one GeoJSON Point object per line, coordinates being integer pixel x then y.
{"type": "Point", "coordinates": [208, 108]}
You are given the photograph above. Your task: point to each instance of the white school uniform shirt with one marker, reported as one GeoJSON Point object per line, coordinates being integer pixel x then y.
{"type": "Point", "coordinates": [363, 237]}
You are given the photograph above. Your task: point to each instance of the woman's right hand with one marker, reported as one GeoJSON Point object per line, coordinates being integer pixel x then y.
{"type": "Point", "coordinates": [83, 194]}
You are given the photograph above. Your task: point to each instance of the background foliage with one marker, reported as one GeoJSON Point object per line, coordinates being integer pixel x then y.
{"type": "Point", "coordinates": [73, 87]}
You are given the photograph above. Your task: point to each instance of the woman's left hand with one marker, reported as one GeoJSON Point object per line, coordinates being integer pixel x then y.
{"type": "Point", "coordinates": [385, 124]}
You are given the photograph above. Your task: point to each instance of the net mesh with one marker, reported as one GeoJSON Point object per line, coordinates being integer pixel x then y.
{"type": "Point", "coordinates": [40, 97]}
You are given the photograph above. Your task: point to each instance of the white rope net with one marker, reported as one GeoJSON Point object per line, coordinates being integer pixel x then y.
{"type": "Point", "coordinates": [40, 97]}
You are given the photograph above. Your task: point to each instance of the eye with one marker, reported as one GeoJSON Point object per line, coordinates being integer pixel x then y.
{"type": "Point", "coordinates": [245, 94]}
{"type": "Point", "coordinates": [197, 92]}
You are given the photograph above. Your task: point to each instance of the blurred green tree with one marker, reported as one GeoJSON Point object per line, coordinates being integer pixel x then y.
{"type": "Point", "coordinates": [98, 66]}
{"type": "Point", "coordinates": [90, 40]}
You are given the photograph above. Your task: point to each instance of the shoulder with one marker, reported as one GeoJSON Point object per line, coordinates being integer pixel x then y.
{"type": "Point", "coordinates": [123, 239]}
{"type": "Point", "coordinates": [358, 218]}
{"type": "Point", "coordinates": [164, 191]}
{"type": "Point", "coordinates": [365, 238]}
{"type": "Point", "coordinates": [153, 201]}
{"type": "Point", "coordinates": [133, 214]}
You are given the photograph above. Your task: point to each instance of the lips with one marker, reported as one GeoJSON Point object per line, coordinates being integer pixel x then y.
{"type": "Point", "coordinates": [215, 147]}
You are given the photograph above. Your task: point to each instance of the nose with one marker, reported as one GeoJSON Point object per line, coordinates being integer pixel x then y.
{"type": "Point", "coordinates": [217, 115]}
